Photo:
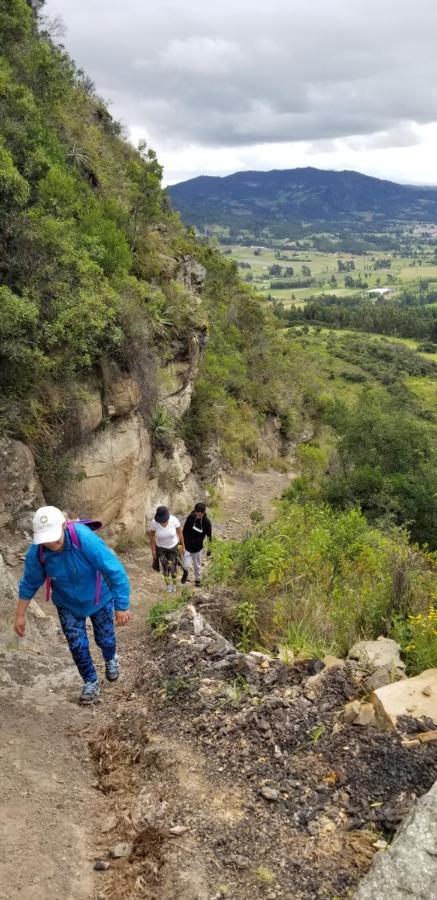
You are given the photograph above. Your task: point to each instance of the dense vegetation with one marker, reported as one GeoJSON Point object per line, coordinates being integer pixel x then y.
{"type": "Point", "coordinates": [77, 205]}
{"type": "Point", "coordinates": [316, 580]}
{"type": "Point", "coordinates": [377, 400]}
{"type": "Point", "coordinates": [406, 318]}
{"type": "Point", "coordinates": [347, 556]}
{"type": "Point", "coordinates": [90, 264]}
{"type": "Point", "coordinates": [247, 373]}
{"type": "Point", "coordinates": [285, 203]}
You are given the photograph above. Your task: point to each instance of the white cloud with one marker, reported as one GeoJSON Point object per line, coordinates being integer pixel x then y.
{"type": "Point", "coordinates": [201, 55]}
{"type": "Point", "coordinates": [245, 81]}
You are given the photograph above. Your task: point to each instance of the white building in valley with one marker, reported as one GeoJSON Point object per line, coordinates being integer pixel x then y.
{"type": "Point", "coordinates": [379, 292]}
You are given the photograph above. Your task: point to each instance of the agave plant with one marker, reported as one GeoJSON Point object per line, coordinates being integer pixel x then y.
{"type": "Point", "coordinates": [161, 428]}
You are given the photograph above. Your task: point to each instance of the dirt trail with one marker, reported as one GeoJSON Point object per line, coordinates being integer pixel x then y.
{"type": "Point", "coordinates": [244, 494]}
{"type": "Point", "coordinates": [47, 802]}
{"type": "Point", "coordinates": [51, 812]}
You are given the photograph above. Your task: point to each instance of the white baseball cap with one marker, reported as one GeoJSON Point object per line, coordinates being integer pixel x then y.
{"type": "Point", "coordinates": [47, 525]}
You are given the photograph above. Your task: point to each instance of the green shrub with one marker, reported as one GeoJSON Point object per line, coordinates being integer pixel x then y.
{"type": "Point", "coordinates": [417, 636]}
{"type": "Point", "coordinates": [161, 429]}
{"type": "Point", "coordinates": [246, 615]}
{"type": "Point", "coordinates": [387, 464]}
{"type": "Point", "coordinates": [318, 580]}
{"type": "Point", "coordinates": [159, 610]}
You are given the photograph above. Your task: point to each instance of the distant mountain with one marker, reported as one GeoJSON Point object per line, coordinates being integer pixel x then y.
{"type": "Point", "coordinates": [281, 200]}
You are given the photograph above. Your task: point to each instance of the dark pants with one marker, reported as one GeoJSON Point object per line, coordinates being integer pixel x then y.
{"type": "Point", "coordinates": [104, 635]}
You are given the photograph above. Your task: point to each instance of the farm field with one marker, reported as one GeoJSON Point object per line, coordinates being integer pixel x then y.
{"type": "Point", "coordinates": [309, 273]}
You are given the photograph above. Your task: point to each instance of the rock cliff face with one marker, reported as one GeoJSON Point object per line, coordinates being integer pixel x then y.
{"type": "Point", "coordinates": [117, 475]}
{"type": "Point", "coordinates": [20, 490]}
{"type": "Point", "coordinates": [113, 469]}
{"type": "Point", "coordinates": [20, 495]}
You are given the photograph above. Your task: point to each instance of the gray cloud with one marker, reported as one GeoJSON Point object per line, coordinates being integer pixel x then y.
{"type": "Point", "coordinates": [238, 73]}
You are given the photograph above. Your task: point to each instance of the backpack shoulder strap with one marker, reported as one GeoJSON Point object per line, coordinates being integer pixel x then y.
{"type": "Point", "coordinates": [48, 583]}
{"type": "Point", "coordinates": [73, 535]}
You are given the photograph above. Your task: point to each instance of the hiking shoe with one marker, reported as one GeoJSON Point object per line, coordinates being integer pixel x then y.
{"type": "Point", "coordinates": [169, 588]}
{"type": "Point", "coordinates": [112, 671]}
{"type": "Point", "coordinates": [90, 693]}
{"type": "Point", "coordinates": [184, 576]}
{"type": "Point", "coordinates": [198, 583]}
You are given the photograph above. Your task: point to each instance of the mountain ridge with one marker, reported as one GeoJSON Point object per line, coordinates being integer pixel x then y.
{"type": "Point", "coordinates": [286, 198]}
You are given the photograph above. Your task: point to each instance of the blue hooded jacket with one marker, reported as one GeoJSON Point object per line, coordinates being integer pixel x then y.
{"type": "Point", "coordinates": [73, 574]}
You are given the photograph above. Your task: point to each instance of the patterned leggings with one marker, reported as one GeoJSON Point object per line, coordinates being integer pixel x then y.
{"type": "Point", "coordinates": [169, 561]}
{"type": "Point", "coordinates": [77, 638]}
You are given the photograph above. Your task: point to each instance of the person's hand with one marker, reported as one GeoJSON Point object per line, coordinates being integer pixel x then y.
{"type": "Point", "coordinates": [122, 616]}
{"type": "Point", "coordinates": [20, 623]}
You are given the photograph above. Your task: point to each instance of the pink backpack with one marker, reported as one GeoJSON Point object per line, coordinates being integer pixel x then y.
{"type": "Point", "coordinates": [95, 525]}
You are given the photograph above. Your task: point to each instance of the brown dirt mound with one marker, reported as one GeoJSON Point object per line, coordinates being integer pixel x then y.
{"type": "Point", "coordinates": [318, 792]}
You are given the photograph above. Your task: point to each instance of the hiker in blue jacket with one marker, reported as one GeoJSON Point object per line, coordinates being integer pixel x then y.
{"type": "Point", "coordinates": [87, 580]}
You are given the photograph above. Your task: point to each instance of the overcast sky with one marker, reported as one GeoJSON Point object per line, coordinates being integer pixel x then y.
{"type": "Point", "coordinates": [216, 87]}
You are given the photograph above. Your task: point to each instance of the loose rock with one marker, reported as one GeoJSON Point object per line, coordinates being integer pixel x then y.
{"type": "Point", "coordinates": [407, 698]}
{"type": "Point", "coordinates": [101, 865]}
{"type": "Point", "coordinates": [109, 824]}
{"type": "Point", "coordinates": [122, 850]}
{"type": "Point", "coordinates": [331, 662]}
{"type": "Point", "coordinates": [351, 711]}
{"type": "Point", "coordinates": [374, 655]}
{"type": "Point", "coordinates": [366, 715]}
{"type": "Point", "coordinates": [269, 793]}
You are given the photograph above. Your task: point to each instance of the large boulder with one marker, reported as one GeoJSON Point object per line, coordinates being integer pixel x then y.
{"type": "Point", "coordinates": [20, 496]}
{"type": "Point", "coordinates": [379, 660]}
{"type": "Point", "coordinates": [20, 490]}
{"type": "Point", "coordinates": [409, 868]}
{"type": "Point", "coordinates": [37, 626]}
{"type": "Point", "coordinates": [414, 697]}
{"type": "Point", "coordinates": [113, 476]}
{"type": "Point", "coordinates": [8, 599]}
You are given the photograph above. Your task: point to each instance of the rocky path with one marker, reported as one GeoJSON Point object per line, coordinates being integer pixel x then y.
{"type": "Point", "coordinates": [55, 811]}
{"type": "Point", "coordinates": [48, 804]}
{"type": "Point", "coordinates": [244, 495]}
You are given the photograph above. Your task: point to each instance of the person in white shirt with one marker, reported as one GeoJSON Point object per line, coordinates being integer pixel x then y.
{"type": "Point", "coordinates": [167, 544]}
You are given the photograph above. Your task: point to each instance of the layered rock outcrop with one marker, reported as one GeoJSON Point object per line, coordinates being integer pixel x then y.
{"type": "Point", "coordinates": [409, 868]}
{"type": "Point", "coordinates": [117, 475]}
{"type": "Point", "coordinates": [20, 495]}
{"type": "Point", "coordinates": [112, 471]}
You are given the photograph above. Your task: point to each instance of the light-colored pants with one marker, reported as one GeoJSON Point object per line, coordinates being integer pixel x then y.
{"type": "Point", "coordinates": [196, 560]}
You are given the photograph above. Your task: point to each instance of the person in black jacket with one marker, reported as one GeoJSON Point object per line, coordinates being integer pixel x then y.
{"type": "Point", "coordinates": [197, 527]}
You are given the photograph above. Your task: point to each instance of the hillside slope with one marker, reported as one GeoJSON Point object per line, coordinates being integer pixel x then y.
{"type": "Point", "coordinates": [278, 199]}
{"type": "Point", "coordinates": [107, 300]}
